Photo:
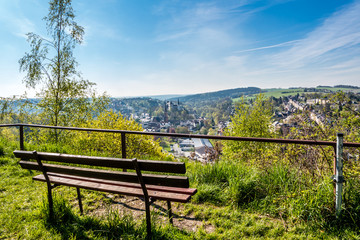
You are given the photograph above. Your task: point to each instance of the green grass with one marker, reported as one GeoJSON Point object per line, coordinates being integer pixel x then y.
{"type": "Point", "coordinates": [234, 201]}
{"type": "Point", "coordinates": [279, 192]}
{"type": "Point", "coordinates": [275, 92]}
{"type": "Point", "coordinates": [283, 92]}
{"type": "Point", "coordinates": [24, 212]}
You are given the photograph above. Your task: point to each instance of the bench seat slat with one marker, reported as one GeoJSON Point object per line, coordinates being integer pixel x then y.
{"type": "Point", "coordinates": [145, 165]}
{"type": "Point", "coordinates": [190, 191]}
{"type": "Point", "coordinates": [152, 179]}
{"type": "Point", "coordinates": [105, 187]}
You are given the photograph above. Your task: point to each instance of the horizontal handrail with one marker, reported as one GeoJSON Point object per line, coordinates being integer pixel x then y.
{"type": "Point", "coordinates": [180, 135]}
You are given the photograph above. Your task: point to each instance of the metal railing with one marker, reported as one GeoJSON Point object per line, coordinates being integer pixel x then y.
{"type": "Point", "coordinates": [337, 145]}
{"type": "Point", "coordinates": [181, 135]}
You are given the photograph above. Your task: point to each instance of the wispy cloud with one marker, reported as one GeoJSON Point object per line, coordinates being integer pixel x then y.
{"type": "Point", "coordinates": [171, 36]}
{"type": "Point", "coordinates": [339, 32]}
{"type": "Point", "coordinates": [284, 44]}
{"type": "Point", "coordinates": [22, 26]}
{"type": "Point", "coordinates": [11, 16]}
{"type": "Point", "coordinates": [192, 17]}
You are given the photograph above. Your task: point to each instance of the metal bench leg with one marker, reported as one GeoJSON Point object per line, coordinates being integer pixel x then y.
{"type": "Point", "coordinates": [146, 197]}
{"type": "Point", "coordinates": [148, 220]}
{"type": "Point", "coordinates": [48, 183]}
{"type": "Point", "coordinates": [79, 199]}
{"type": "Point", "coordinates": [170, 212]}
{"type": "Point", "coordinates": [50, 200]}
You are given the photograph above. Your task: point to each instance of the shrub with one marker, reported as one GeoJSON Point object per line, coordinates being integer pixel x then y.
{"type": "Point", "coordinates": [139, 146]}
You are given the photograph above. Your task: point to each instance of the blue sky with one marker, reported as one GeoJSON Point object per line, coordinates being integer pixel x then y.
{"type": "Point", "coordinates": [142, 47]}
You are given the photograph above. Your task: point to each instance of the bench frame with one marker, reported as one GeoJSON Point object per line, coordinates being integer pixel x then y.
{"type": "Point", "coordinates": [174, 188]}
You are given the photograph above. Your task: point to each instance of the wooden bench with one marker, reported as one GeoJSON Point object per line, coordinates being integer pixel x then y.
{"type": "Point", "coordinates": [148, 186]}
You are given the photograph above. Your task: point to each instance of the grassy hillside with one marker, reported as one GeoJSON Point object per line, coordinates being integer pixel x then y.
{"type": "Point", "coordinates": [344, 89]}
{"type": "Point", "coordinates": [279, 92]}
{"type": "Point", "coordinates": [211, 96]}
{"type": "Point", "coordinates": [230, 204]}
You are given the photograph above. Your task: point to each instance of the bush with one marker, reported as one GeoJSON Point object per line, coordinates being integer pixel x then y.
{"type": "Point", "coordinates": [138, 146]}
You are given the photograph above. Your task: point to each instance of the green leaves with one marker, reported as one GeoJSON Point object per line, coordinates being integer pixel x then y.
{"type": "Point", "coordinates": [32, 62]}
{"type": "Point", "coordinates": [249, 121]}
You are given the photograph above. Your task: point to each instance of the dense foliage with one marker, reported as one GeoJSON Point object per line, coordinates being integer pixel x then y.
{"type": "Point", "coordinates": [249, 120]}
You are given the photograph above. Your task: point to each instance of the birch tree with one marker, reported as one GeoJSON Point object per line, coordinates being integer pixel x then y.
{"type": "Point", "coordinates": [50, 68]}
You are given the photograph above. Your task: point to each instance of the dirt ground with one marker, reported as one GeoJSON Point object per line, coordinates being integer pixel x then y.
{"type": "Point", "coordinates": [135, 207]}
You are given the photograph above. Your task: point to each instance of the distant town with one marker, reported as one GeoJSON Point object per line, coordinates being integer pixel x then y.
{"type": "Point", "coordinates": [210, 114]}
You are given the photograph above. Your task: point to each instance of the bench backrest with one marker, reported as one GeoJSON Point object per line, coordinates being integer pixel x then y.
{"type": "Point", "coordinates": [143, 165]}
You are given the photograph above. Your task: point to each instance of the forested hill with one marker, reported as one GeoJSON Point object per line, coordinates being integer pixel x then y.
{"type": "Point", "coordinates": [231, 93]}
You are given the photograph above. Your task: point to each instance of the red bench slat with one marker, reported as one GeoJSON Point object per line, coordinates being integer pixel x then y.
{"type": "Point", "coordinates": [189, 191]}
{"type": "Point", "coordinates": [110, 187]}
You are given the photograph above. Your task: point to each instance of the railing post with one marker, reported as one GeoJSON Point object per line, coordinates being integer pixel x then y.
{"type": "Point", "coordinates": [123, 147]}
{"type": "Point", "coordinates": [21, 136]}
{"type": "Point", "coordinates": [339, 178]}
{"type": "Point", "coordinates": [334, 173]}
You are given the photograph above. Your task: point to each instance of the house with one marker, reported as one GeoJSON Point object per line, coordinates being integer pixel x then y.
{"type": "Point", "coordinates": [203, 149]}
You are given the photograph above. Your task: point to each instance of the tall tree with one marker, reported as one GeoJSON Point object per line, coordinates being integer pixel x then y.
{"type": "Point", "coordinates": [50, 65]}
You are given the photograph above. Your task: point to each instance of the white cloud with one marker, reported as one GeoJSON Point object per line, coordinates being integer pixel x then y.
{"type": "Point", "coordinates": [340, 32]}
{"type": "Point", "coordinates": [353, 63]}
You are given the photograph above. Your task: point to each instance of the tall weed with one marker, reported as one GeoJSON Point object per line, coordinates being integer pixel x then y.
{"type": "Point", "coordinates": [224, 182]}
